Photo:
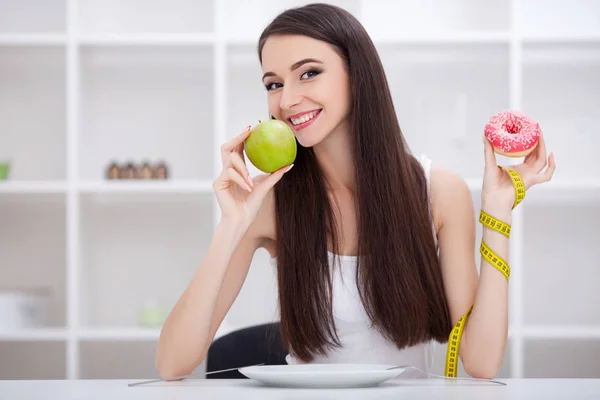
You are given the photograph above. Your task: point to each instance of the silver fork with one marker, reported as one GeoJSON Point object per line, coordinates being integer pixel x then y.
{"type": "Point", "coordinates": [177, 378]}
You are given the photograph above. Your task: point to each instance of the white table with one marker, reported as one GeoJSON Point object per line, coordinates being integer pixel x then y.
{"type": "Point", "coordinates": [222, 389]}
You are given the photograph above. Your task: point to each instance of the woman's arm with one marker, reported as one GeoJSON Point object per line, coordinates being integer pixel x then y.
{"type": "Point", "coordinates": [190, 328]}
{"type": "Point", "coordinates": [485, 333]}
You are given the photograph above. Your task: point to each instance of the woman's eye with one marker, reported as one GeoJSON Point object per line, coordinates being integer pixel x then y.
{"type": "Point", "coordinates": [310, 73]}
{"type": "Point", "coordinates": [272, 85]}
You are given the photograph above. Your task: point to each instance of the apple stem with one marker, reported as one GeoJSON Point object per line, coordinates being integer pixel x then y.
{"type": "Point", "coordinates": [259, 121]}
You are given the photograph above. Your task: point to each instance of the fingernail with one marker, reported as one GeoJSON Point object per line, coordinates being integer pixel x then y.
{"type": "Point", "coordinates": [289, 167]}
{"type": "Point", "coordinates": [248, 188]}
{"type": "Point", "coordinates": [250, 180]}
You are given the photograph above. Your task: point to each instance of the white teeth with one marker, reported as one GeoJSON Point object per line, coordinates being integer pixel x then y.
{"type": "Point", "coordinates": [304, 118]}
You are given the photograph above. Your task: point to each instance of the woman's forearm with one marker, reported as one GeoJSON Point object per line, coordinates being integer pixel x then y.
{"type": "Point", "coordinates": [184, 338]}
{"type": "Point", "coordinates": [486, 329]}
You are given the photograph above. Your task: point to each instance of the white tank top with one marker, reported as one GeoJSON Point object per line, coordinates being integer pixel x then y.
{"type": "Point", "coordinates": [360, 343]}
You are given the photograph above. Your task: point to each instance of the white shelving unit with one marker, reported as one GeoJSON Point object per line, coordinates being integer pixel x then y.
{"type": "Point", "coordinates": [85, 82]}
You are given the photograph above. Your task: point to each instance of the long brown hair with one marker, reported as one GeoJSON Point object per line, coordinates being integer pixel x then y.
{"type": "Point", "coordinates": [398, 271]}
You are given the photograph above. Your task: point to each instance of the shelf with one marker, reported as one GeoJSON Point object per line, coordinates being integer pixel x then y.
{"type": "Point", "coordinates": [152, 186]}
{"type": "Point", "coordinates": [155, 102]}
{"type": "Point", "coordinates": [122, 334]}
{"type": "Point", "coordinates": [21, 187]}
{"type": "Point", "coordinates": [453, 89]}
{"type": "Point", "coordinates": [151, 243]}
{"type": "Point", "coordinates": [552, 358]}
{"type": "Point", "coordinates": [435, 17]}
{"type": "Point", "coordinates": [553, 38]}
{"type": "Point", "coordinates": [42, 39]}
{"type": "Point", "coordinates": [35, 223]}
{"type": "Point", "coordinates": [33, 360]}
{"type": "Point", "coordinates": [38, 334]}
{"type": "Point", "coordinates": [561, 332]}
{"type": "Point", "coordinates": [158, 16]}
{"type": "Point", "coordinates": [32, 111]}
{"type": "Point", "coordinates": [474, 38]}
{"type": "Point", "coordinates": [559, 250]}
{"type": "Point", "coordinates": [108, 186]}
{"type": "Point", "coordinates": [161, 39]}
{"type": "Point", "coordinates": [32, 16]}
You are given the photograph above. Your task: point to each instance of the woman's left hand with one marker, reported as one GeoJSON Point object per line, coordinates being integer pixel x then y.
{"type": "Point", "coordinates": [497, 185]}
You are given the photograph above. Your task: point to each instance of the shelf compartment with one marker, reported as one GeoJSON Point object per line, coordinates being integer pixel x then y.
{"type": "Point", "coordinates": [444, 95]}
{"type": "Point", "coordinates": [559, 271]}
{"type": "Point", "coordinates": [147, 104]}
{"type": "Point", "coordinates": [407, 19]}
{"type": "Point", "coordinates": [439, 362]}
{"type": "Point", "coordinates": [249, 18]}
{"type": "Point", "coordinates": [561, 91]}
{"type": "Point", "coordinates": [145, 16]}
{"type": "Point", "coordinates": [540, 18]}
{"type": "Point", "coordinates": [118, 360]}
{"type": "Point", "coordinates": [32, 111]}
{"type": "Point", "coordinates": [35, 222]}
{"type": "Point", "coordinates": [259, 292]}
{"type": "Point", "coordinates": [151, 242]}
{"type": "Point", "coordinates": [561, 359]}
{"type": "Point", "coordinates": [33, 360]}
{"type": "Point", "coordinates": [32, 16]}
{"type": "Point", "coordinates": [573, 192]}
{"type": "Point", "coordinates": [244, 76]}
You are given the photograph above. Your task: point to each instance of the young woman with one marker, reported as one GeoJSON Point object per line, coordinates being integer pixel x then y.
{"type": "Point", "coordinates": [374, 247]}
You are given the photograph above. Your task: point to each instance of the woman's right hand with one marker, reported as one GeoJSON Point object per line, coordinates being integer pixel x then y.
{"type": "Point", "coordinates": [238, 196]}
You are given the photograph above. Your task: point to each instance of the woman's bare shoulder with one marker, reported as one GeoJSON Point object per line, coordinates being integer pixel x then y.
{"type": "Point", "coordinates": [447, 190]}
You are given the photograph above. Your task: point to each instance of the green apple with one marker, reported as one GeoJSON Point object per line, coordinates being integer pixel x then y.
{"type": "Point", "coordinates": [271, 145]}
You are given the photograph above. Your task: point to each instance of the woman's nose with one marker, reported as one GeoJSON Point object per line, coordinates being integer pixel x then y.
{"type": "Point", "coordinates": [289, 99]}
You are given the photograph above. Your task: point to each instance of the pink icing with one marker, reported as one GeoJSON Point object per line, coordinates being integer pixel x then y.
{"type": "Point", "coordinates": [512, 131]}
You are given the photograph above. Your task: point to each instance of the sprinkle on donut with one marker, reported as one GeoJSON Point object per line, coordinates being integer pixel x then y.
{"type": "Point", "coordinates": [512, 133]}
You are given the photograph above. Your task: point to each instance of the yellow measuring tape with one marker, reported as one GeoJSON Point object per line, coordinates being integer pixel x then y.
{"type": "Point", "coordinates": [495, 260]}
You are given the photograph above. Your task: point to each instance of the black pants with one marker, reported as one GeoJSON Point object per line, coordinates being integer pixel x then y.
{"type": "Point", "coordinates": [249, 346]}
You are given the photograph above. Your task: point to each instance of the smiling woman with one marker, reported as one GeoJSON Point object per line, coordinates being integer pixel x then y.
{"type": "Point", "coordinates": [353, 153]}
{"type": "Point", "coordinates": [400, 228]}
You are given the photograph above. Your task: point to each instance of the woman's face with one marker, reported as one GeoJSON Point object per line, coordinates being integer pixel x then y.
{"type": "Point", "coordinates": [307, 86]}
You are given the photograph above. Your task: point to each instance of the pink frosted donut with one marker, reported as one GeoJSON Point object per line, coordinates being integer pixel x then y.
{"type": "Point", "coordinates": [512, 133]}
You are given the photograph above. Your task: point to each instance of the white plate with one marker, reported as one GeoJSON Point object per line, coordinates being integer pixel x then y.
{"type": "Point", "coordinates": [322, 375]}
